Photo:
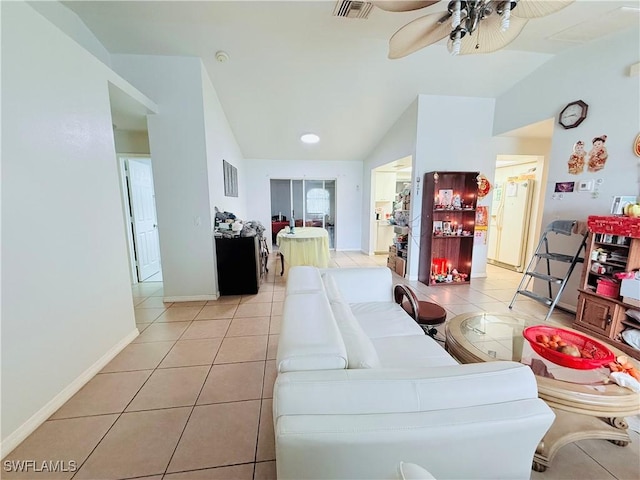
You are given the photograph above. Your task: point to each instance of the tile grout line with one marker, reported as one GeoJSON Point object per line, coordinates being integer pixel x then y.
{"type": "Point", "coordinates": [120, 414]}
{"type": "Point", "coordinates": [195, 403]}
{"type": "Point", "coordinates": [130, 401]}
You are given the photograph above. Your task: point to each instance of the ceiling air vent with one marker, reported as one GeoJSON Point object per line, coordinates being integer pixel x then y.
{"type": "Point", "coordinates": [350, 9]}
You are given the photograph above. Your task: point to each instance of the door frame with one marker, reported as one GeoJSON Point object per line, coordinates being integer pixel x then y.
{"type": "Point", "coordinates": [537, 202]}
{"type": "Point", "coordinates": [304, 199]}
{"type": "Point", "coordinates": [126, 211]}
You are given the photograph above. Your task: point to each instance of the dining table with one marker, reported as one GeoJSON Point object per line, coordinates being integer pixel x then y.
{"type": "Point", "coordinates": [303, 246]}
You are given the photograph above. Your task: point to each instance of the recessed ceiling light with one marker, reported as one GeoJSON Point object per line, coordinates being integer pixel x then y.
{"type": "Point", "coordinates": [310, 138]}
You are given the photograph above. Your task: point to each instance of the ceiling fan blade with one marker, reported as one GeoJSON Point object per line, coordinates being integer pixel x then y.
{"type": "Point", "coordinates": [403, 6]}
{"type": "Point", "coordinates": [538, 8]}
{"type": "Point", "coordinates": [489, 37]}
{"type": "Point", "coordinates": [418, 34]}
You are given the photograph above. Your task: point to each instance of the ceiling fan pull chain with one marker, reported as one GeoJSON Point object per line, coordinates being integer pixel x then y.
{"type": "Point", "coordinates": [506, 15]}
{"type": "Point", "coordinates": [455, 17]}
{"type": "Point", "coordinates": [455, 38]}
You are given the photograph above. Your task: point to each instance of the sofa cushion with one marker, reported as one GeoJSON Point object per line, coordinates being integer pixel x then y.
{"type": "Point", "coordinates": [309, 337]}
{"type": "Point", "coordinates": [411, 351]}
{"type": "Point", "coordinates": [384, 319]}
{"type": "Point", "coordinates": [360, 351]}
{"type": "Point", "coordinates": [303, 279]}
{"type": "Point", "coordinates": [358, 285]}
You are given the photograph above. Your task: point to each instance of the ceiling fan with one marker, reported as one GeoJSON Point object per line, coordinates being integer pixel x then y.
{"type": "Point", "coordinates": [473, 26]}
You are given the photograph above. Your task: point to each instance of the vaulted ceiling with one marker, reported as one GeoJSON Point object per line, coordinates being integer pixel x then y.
{"type": "Point", "coordinates": [294, 67]}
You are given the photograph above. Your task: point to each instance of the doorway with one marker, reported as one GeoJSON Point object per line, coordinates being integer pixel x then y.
{"type": "Point", "coordinates": [141, 218]}
{"type": "Point", "coordinates": [517, 186]}
{"type": "Point", "coordinates": [311, 203]}
{"type": "Point", "coordinates": [391, 186]}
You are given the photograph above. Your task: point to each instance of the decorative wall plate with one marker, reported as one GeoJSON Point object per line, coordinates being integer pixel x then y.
{"type": "Point", "coordinates": [483, 186]}
{"type": "Point", "coordinates": [636, 146]}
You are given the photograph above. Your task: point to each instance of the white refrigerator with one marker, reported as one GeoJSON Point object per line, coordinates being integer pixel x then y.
{"type": "Point", "coordinates": [509, 223]}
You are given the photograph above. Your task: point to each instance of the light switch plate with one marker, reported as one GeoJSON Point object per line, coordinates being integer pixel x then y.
{"type": "Point", "coordinates": [585, 186]}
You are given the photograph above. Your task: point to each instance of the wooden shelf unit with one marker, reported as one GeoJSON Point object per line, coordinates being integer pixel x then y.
{"type": "Point", "coordinates": [599, 315]}
{"type": "Point", "coordinates": [456, 249]}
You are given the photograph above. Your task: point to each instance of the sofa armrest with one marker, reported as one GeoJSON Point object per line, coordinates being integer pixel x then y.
{"type": "Point", "coordinates": [309, 337]}
{"type": "Point", "coordinates": [370, 391]}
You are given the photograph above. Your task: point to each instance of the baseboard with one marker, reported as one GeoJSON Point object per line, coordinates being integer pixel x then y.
{"type": "Point", "coordinates": [192, 298]}
{"type": "Point", "coordinates": [566, 307]}
{"type": "Point", "coordinates": [27, 428]}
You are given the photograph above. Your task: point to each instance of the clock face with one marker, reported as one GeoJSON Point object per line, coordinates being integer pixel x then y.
{"type": "Point", "coordinates": [573, 114]}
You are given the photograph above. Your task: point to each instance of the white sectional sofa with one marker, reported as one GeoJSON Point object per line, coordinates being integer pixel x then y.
{"type": "Point", "coordinates": [361, 388]}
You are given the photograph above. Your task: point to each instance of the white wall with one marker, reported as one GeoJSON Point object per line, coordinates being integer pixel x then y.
{"type": "Point", "coordinates": [348, 176]}
{"type": "Point", "coordinates": [221, 145]}
{"type": "Point", "coordinates": [398, 142]}
{"type": "Point", "coordinates": [177, 140]}
{"type": "Point", "coordinates": [454, 134]}
{"type": "Point", "coordinates": [597, 74]}
{"type": "Point", "coordinates": [66, 296]}
{"type": "Point", "coordinates": [67, 21]}
{"type": "Point", "coordinates": [129, 141]}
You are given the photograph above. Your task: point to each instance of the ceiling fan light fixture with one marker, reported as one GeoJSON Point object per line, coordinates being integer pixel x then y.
{"type": "Point", "coordinates": [310, 138]}
{"type": "Point", "coordinates": [471, 26]}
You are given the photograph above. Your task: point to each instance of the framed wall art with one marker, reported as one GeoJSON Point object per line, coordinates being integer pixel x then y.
{"type": "Point", "coordinates": [230, 179]}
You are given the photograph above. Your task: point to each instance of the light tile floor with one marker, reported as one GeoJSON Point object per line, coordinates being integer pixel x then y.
{"type": "Point", "coordinates": [191, 397]}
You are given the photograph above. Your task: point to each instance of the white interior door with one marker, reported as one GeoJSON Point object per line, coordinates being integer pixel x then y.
{"type": "Point", "coordinates": [143, 213]}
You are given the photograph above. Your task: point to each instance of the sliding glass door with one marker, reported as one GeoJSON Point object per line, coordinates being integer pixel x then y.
{"type": "Point", "coordinates": [312, 203]}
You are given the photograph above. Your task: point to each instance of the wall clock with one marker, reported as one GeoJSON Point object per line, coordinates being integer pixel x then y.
{"type": "Point", "coordinates": [573, 114]}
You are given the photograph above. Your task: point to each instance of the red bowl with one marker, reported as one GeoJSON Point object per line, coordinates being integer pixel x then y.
{"type": "Point", "coordinates": [601, 354]}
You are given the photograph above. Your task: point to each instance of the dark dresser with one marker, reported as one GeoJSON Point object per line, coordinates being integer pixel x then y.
{"type": "Point", "coordinates": [238, 260]}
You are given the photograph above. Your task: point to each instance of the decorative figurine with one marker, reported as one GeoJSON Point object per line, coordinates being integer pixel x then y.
{"type": "Point", "coordinates": [598, 154]}
{"type": "Point", "coordinates": [576, 160]}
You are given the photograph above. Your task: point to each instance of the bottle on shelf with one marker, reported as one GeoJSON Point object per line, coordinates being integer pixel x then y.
{"type": "Point", "coordinates": [292, 224]}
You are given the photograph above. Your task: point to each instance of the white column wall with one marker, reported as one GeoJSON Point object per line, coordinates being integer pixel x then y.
{"type": "Point", "coordinates": [66, 296]}
{"type": "Point", "coordinates": [454, 134]}
{"type": "Point", "coordinates": [348, 176]}
{"type": "Point", "coordinates": [180, 170]}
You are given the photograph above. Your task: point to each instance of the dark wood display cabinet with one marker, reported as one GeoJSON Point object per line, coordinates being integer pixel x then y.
{"type": "Point", "coordinates": [601, 311]}
{"type": "Point", "coordinates": [447, 227]}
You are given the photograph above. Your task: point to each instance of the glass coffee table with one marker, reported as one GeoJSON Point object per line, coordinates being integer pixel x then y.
{"type": "Point", "coordinates": [587, 405]}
